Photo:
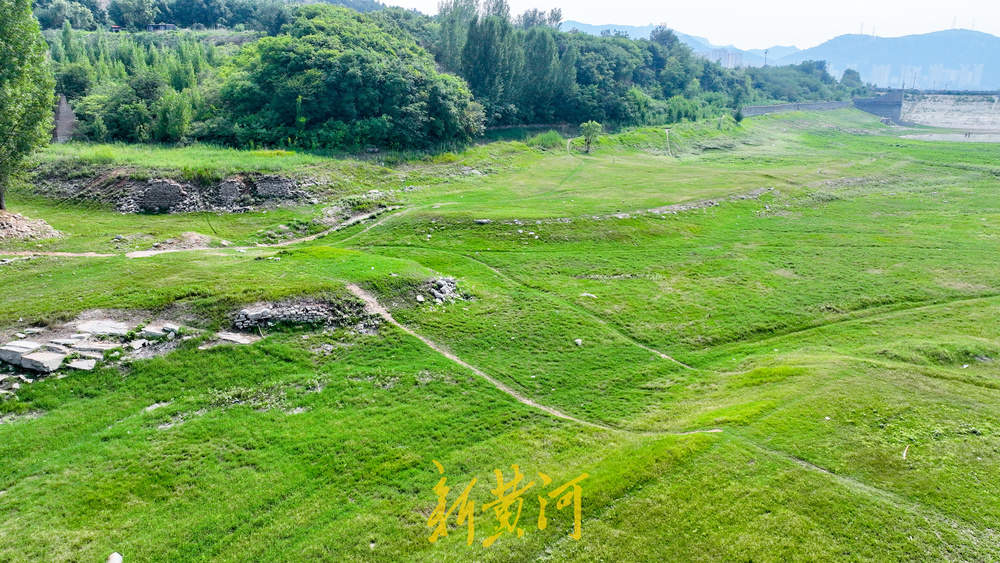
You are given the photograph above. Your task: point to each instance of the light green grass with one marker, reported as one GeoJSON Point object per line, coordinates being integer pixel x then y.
{"type": "Point", "coordinates": [829, 325]}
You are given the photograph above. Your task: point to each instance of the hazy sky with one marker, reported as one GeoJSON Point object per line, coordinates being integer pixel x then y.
{"type": "Point", "coordinates": [750, 24]}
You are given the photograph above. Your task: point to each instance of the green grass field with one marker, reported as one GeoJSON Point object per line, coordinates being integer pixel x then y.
{"type": "Point", "coordinates": [834, 306]}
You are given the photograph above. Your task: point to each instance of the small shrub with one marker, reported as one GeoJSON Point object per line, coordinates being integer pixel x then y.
{"type": "Point", "coordinates": [547, 140]}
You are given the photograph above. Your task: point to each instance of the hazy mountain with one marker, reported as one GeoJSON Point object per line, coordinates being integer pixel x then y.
{"type": "Point", "coordinates": [955, 59]}
{"type": "Point", "coordinates": [728, 55]}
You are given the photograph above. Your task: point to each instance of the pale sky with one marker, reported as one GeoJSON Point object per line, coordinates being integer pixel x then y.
{"type": "Point", "coordinates": [750, 24]}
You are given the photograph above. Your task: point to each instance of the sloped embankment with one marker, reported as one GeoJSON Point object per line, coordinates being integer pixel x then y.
{"type": "Point", "coordinates": [128, 193]}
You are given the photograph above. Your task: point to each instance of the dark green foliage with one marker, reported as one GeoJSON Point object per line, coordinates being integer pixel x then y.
{"type": "Point", "coordinates": [330, 78]}
{"type": "Point", "coordinates": [136, 87]}
{"type": "Point", "coordinates": [805, 81]}
{"type": "Point", "coordinates": [133, 14]}
{"type": "Point", "coordinates": [339, 79]}
{"type": "Point", "coordinates": [26, 85]}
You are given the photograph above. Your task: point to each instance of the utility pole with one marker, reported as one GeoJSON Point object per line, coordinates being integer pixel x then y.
{"type": "Point", "coordinates": [765, 56]}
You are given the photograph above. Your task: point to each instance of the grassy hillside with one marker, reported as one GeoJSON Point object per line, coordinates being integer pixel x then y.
{"type": "Point", "coordinates": [820, 291]}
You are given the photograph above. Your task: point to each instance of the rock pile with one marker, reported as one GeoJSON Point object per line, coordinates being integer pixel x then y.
{"type": "Point", "coordinates": [443, 290]}
{"type": "Point", "coordinates": [81, 345]}
{"type": "Point", "coordinates": [311, 312]}
{"type": "Point", "coordinates": [165, 195]}
{"type": "Point", "coordinates": [14, 226]}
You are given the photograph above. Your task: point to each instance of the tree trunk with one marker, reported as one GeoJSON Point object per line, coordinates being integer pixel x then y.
{"type": "Point", "coordinates": [3, 200]}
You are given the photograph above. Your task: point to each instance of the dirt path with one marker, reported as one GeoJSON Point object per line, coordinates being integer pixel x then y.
{"type": "Point", "coordinates": [374, 306]}
{"type": "Point", "coordinates": [63, 254]}
{"type": "Point", "coordinates": [338, 227]}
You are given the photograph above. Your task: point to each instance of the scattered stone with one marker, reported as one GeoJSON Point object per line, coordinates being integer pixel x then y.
{"type": "Point", "coordinates": [155, 406]}
{"type": "Point", "coordinates": [237, 338]}
{"type": "Point", "coordinates": [590, 295]}
{"type": "Point", "coordinates": [13, 351]}
{"type": "Point", "coordinates": [83, 365]}
{"type": "Point", "coordinates": [483, 221]}
{"type": "Point", "coordinates": [578, 342]}
{"type": "Point", "coordinates": [115, 558]}
{"type": "Point", "coordinates": [420, 298]}
{"type": "Point", "coordinates": [310, 312]}
{"type": "Point", "coordinates": [44, 362]}
{"type": "Point", "coordinates": [14, 226]}
{"type": "Point", "coordinates": [105, 327]}
{"type": "Point", "coordinates": [34, 330]}
{"type": "Point", "coordinates": [91, 355]}
{"type": "Point", "coordinates": [444, 290]}
{"type": "Point", "coordinates": [20, 335]}
{"type": "Point", "coordinates": [55, 348]}
{"type": "Point", "coordinates": [153, 332]}
{"type": "Point", "coordinates": [65, 341]}
{"type": "Point", "coordinates": [137, 344]}
{"type": "Point", "coordinates": [80, 336]}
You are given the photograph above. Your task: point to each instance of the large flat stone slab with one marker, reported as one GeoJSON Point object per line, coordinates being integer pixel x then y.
{"type": "Point", "coordinates": [44, 362]}
{"type": "Point", "coordinates": [104, 327]}
{"type": "Point", "coordinates": [84, 365]}
{"type": "Point", "coordinates": [236, 338]}
{"type": "Point", "coordinates": [96, 346]}
{"type": "Point", "coordinates": [12, 352]}
{"type": "Point", "coordinates": [153, 332]}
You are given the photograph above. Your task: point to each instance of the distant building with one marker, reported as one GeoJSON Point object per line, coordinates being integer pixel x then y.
{"type": "Point", "coordinates": [161, 27]}
{"type": "Point", "coordinates": [116, 29]}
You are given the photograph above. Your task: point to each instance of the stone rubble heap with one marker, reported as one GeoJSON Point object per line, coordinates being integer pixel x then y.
{"type": "Point", "coordinates": [235, 194]}
{"type": "Point", "coordinates": [442, 290]}
{"type": "Point", "coordinates": [82, 345]}
{"type": "Point", "coordinates": [311, 312]}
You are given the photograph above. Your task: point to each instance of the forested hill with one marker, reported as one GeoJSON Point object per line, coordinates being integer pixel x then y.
{"type": "Point", "coordinates": [318, 76]}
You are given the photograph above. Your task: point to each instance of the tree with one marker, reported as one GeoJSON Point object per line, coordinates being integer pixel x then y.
{"type": "Point", "coordinates": [26, 85]}
{"type": "Point", "coordinates": [455, 17]}
{"type": "Point", "coordinates": [133, 14]}
{"type": "Point", "coordinates": [591, 131]}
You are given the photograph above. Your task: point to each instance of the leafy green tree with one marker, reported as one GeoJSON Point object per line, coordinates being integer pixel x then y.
{"type": "Point", "coordinates": [73, 80]}
{"type": "Point", "coordinates": [454, 17]}
{"type": "Point", "coordinates": [133, 14]}
{"type": "Point", "coordinates": [26, 89]}
{"type": "Point", "coordinates": [54, 14]}
{"type": "Point", "coordinates": [492, 62]}
{"type": "Point", "coordinates": [338, 79]}
{"type": "Point", "coordinates": [591, 130]}
{"type": "Point", "coordinates": [540, 75]}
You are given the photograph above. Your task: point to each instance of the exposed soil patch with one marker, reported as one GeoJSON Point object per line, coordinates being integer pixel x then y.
{"type": "Point", "coordinates": [14, 226]}
{"type": "Point", "coordinates": [186, 241]}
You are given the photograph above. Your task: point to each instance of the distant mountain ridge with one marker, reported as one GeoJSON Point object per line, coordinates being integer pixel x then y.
{"type": "Point", "coordinates": [956, 59]}
{"type": "Point", "coordinates": [728, 55]}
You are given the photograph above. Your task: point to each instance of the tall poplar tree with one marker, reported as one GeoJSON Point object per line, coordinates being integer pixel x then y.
{"type": "Point", "coordinates": [26, 89]}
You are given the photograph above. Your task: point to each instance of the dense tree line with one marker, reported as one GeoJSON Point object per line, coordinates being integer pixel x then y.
{"type": "Point", "coordinates": [333, 78]}
{"type": "Point", "coordinates": [318, 76]}
{"type": "Point", "coordinates": [25, 89]}
{"type": "Point", "coordinates": [135, 15]}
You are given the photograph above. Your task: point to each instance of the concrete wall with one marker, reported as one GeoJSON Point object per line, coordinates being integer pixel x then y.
{"type": "Point", "coordinates": [65, 122]}
{"type": "Point", "coordinates": [966, 112]}
{"type": "Point", "coordinates": [888, 105]}
{"type": "Point", "coordinates": [750, 111]}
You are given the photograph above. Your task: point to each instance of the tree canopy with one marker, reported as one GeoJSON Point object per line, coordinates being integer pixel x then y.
{"type": "Point", "coordinates": [26, 88]}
